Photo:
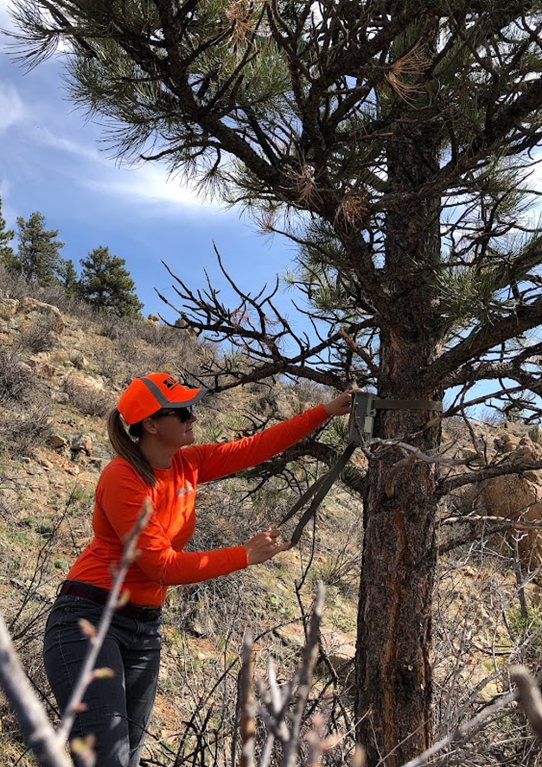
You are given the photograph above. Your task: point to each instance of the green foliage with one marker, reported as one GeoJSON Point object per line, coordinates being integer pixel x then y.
{"type": "Point", "coordinates": [6, 235]}
{"type": "Point", "coordinates": [38, 255]}
{"type": "Point", "coordinates": [466, 295]}
{"type": "Point", "coordinates": [107, 285]}
{"type": "Point", "coordinates": [373, 135]}
{"type": "Point", "coordinates": [68, 277]}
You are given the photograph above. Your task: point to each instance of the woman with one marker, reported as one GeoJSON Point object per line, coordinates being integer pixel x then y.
{"type": "Point", "coordinates": [151, 431]}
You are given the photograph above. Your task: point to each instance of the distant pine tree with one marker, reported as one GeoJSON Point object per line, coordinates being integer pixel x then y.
{"type": "Point", "coordinates": [38, 257]}
{"type": "Point", "coordinates": [68, 277]}
{"type": "Point", "coordinates": [107, 285]}
{"type": "Point", "coordinates": [6, 235]}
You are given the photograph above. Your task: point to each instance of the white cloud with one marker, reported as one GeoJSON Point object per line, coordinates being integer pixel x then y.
{"type": "Point", "coordinates": [150, 184]}
{"type": "Point", "coordinates": [11, 107]}
{"type": "Point", "coordinates": [46, 137]}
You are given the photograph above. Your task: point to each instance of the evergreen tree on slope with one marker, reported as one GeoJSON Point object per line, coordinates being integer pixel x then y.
{"type": "Point", "coordinates": [38, 255]}
{"type": "Point", "coordinates": [394, 139]}
{"type": "Point", "coordinates": [107, 285]}
{"type": "Point", "coordinates": [6, 235]}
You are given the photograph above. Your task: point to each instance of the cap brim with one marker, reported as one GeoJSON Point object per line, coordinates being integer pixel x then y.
{"type": "Point", "coordinates": [198, 394]}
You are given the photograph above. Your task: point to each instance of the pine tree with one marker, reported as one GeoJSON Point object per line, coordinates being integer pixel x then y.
{"type": "Point", "coordinates": [392, 142]}
{"type": "Point", "coordinates": [107, 285]}
{"type": "Point", "coordinates": [38, 255]}
{"type": "Point", "coordinates": [68, 277]}
{"type": "Point", "coordinates": [6, 235]}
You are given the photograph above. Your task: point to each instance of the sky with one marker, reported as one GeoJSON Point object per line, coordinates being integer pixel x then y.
{"type": "Point", "coordinates": [53, 161]}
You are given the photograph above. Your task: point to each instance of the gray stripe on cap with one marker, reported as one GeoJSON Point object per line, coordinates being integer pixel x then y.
{"type": "Point", "coordinates": [164, 401]}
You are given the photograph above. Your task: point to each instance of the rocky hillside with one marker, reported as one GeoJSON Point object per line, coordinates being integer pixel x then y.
{"type": "Point", "coordinates": [62, 367]}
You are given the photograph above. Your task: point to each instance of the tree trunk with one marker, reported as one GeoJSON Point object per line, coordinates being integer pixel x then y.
{"type": "Point", "coordinates": [393, 658]}
{"type": "Point", "coordinates": [393, 662]}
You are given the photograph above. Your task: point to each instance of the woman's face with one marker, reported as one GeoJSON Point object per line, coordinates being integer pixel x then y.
{"type": "Point", "coordinates": [173, 427]}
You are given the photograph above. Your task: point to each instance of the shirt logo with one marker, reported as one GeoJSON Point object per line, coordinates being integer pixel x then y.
{"type": "Point", "coordinates": [184, 490]}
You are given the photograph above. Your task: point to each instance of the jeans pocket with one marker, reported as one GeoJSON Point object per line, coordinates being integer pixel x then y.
{"type": "Point", "coordinates": [83, 608]}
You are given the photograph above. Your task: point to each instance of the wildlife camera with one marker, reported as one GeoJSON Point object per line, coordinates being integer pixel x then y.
{"type": "Point", "coordinates": [362, 415]}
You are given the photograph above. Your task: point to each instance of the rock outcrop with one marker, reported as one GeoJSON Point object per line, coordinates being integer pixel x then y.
{"type": "Point", "coordinates": [518, 497]}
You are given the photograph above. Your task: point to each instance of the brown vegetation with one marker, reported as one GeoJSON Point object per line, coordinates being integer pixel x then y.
{"type": "Point", "coordinates": [52, 447]}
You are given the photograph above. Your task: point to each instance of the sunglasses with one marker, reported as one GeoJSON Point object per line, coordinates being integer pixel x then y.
{"type": "Point", "coordinates": [183, 413]}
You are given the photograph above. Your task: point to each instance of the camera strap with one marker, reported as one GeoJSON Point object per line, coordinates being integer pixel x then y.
{"type": "Point", "coordinates": [360, 430]}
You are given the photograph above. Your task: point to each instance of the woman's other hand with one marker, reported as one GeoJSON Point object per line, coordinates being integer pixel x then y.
{"type": "Point", "coordinates": [264, 546]}
{"type": "Point", "coordinates": [340, 405]}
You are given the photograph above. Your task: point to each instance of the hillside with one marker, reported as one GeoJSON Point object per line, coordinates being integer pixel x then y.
{"type": "Point", "coordinates": [61, 369]}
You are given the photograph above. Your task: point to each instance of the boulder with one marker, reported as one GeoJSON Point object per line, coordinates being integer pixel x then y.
{"type": "Point", "coordinates": [82, 444]}
{"type": "Point", "coordinates": [56, 441]}
{"type": "Point", "coordinates": [37, 310]}
{"type": "Point", "coordinates": [8, 307]}
{"type": "Point", "coordinates": [42, 368]}
{"type": "Point", "coordinates": [78, 359]}
{"type": "Point", "coordinates": [518, 497]}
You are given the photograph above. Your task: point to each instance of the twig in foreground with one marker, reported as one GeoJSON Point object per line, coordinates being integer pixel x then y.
{"type": "Point", "coordinates": [87, 674]}
{"type": "Point", "coordinates": [38, 731]}
{"type": "Point", "coordinates": [526, 694]}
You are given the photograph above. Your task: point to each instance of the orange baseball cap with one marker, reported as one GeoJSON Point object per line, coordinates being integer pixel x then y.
{"type": "Point", "coordinates": [150, 393]}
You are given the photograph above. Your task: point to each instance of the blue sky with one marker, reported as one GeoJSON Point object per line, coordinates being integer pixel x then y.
{"type": "Point", "coordinates": [52, 161]}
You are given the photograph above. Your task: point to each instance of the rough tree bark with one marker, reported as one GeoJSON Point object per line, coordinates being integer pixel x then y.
{"type": "Point", "coordinates": [393, 661]}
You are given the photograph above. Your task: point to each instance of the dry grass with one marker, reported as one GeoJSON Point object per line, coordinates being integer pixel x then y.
{"type": "Point", "coordinates": [45, 518]}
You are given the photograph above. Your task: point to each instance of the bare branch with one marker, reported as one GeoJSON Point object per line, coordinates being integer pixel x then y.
{"type": "Point", "coordinates": [38, 731]}
{"type": "Point", "coordinates": [86, 674]}
{"type": "Point", "coordinates": [507, 467]}
{"type": "Point", "coordinates": [528, 695]}
{"type": "Point", "coordinates": [247, 705]}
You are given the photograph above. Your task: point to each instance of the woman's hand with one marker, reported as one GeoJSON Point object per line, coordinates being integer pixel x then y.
{"type": "Point", "coordinates": [340, 405]}
{"type": "Point", "coordinates": [264, 546]}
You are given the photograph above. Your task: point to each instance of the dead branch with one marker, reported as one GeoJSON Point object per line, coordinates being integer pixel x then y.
{"type": "Point", "coordinates": [46, 743]}
{"type": "Point", "coordinates": [248, 706]}
{"type": "Point", "coordinates": [412, 455]}
{"type": "Point", "coordinates": [282, 709]}
{"type": "Point", "coordinates": [88, 673]}
{"type": "Point", "coordinates": [507, 467]}
{"type": "Point", "coordinates": [465, 732]}
{"type": "Point", "coordinates": [526, 694]}
{"type": "Point", "coordinates": [38, 731]}
{"type": "Point", "coordinates": [262, 333]}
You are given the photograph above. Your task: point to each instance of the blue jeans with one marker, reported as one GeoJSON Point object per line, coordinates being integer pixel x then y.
{"type": "Point", "coordinates": [117, 709]}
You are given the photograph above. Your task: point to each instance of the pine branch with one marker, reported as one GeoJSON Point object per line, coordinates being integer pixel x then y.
{"type": "Point", "coordinates": [482, 339]}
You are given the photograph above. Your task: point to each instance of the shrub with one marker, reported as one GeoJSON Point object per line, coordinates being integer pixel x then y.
{"type": "Point", "coordinates": [13, 285]}
{"type": "Point", "coordinates": [20, 436]}
{"type": "Point", "coordinates": [40, 335]}
{"type": "Point", "coordinates": [87, 399]}
{"type": "Point", "coordinates": [17, 381]}
{"type": "Point", "coordinates": [110, 327]}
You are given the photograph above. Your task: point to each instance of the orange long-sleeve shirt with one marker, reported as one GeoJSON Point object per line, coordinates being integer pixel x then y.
{"type": "Point", "coordinates": [162, 562]}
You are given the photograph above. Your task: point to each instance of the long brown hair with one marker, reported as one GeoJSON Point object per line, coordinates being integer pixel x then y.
{"type": "Point", "coordinates": [127, 448]}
